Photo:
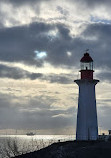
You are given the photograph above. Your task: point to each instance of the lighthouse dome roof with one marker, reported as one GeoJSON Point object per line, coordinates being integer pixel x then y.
{"type": "Point", "coordinates": [86, 58]}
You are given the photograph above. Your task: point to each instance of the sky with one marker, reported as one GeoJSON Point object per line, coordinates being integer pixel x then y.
{"type": "Point", "coordinates": [41, 44]}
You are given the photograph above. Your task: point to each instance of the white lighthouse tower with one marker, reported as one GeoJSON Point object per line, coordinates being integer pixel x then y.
{"type": "Point", "coordinates": [87, 126]}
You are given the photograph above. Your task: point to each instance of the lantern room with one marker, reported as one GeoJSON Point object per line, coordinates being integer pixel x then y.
{"type": "Point", "coordinates": [86, 67]}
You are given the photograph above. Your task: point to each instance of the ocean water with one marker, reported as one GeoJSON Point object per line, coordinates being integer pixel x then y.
{"type": "Point", "coordinates": [12, 145]}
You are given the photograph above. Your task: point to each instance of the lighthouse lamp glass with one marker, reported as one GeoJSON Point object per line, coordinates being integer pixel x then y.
{"type": "Point", "coordinates": [86, 66]}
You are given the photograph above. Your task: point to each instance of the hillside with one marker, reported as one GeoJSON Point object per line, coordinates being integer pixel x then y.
{"type": "Point", "coordinates": [73, 149]}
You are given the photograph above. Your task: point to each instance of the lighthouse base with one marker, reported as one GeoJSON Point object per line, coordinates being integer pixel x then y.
{"type": "Point", "coordinates": [87, 126]}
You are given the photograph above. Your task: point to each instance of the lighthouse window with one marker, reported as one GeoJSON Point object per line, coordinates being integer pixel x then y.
{"type": "Point", "coordinates": [82, 66]}
{"type": "Point", "coordinates": [87, 66]}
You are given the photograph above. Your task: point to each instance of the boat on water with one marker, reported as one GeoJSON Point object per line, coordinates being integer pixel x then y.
{"type": "Point", "coordinates": [30, 134]}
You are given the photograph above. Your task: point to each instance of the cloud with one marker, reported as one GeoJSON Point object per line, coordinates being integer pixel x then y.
{"type": "Point", "coordinates": [100, 47]}
{"type": "Point", "coordinates": [65, 12]}
{"type": "Point", "coordinates": [35, 114]}
{"type": "Point", "coordinates": [61, 78]}
{"type": "Point", "coordinates": [17, 73]}
{"type": "Point", "coordinates": [88, 2]}
{"type": "Point", "coordinates": [22, 2]}
{"type": "Point", "coordinates": [104, 117]}
{"type": "Point", "coordinates": [94, 3]}
{"type": "Point", "coordinates": [104, 76]}
{"type": "Point", "coordinates": [18, 44]}
{"type": "Point", "coordinates": [63, 32]}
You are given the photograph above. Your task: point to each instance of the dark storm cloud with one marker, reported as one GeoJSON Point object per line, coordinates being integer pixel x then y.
{"type": "Point", "coordinates": [17, 73]}
{"type": "Point", "coordinates": [19, 43]}
{"type": "Point", "coordinates": [101, 46]}
{"type": "Point", "coordinates": [96, 37]}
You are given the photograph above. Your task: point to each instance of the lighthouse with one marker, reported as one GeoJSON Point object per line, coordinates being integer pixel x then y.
{"type": "Point", "coordinates": [87, 125]}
